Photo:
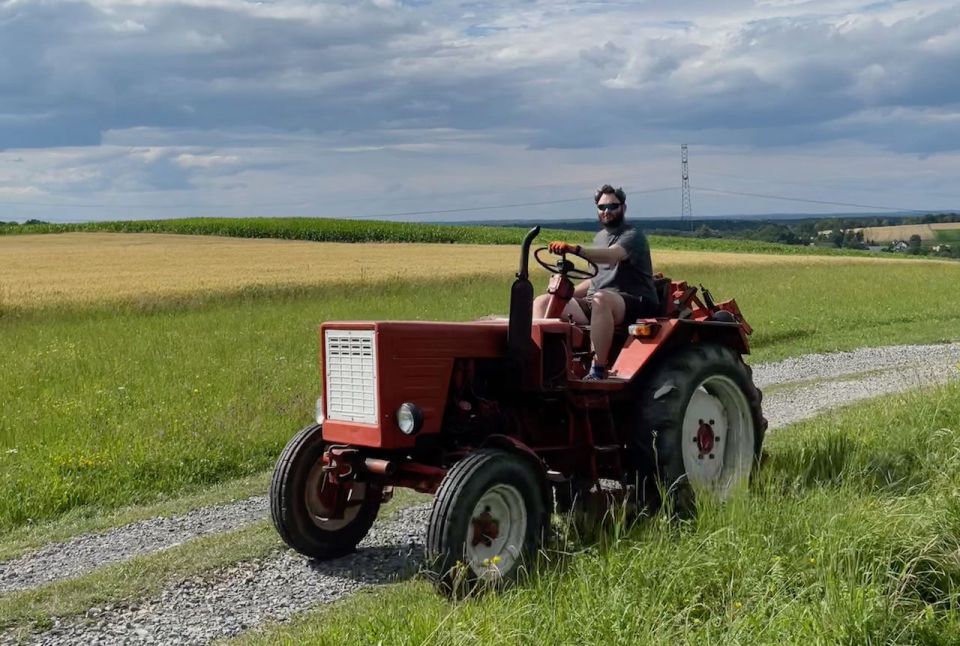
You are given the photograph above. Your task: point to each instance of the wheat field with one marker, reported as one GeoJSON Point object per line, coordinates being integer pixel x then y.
{"type": "Point", "coordinates": [85, 268]}
{"type": "Point", "coordinates": [882, 235]}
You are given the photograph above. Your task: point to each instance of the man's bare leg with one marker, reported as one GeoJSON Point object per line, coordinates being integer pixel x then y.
{"type": "Point", "coordinates": [540, 304]}
{"type": "Point", "coordinates": [572, 309]}
{"type": "Point", "coordinates": [608, 311]}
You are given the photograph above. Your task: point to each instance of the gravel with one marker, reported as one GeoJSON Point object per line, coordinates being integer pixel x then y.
{"type": "Point", "coordinates": [199, 610]}
{"type": "Point", "coordinates": [246, 594]}
{"type": "Point", "coordinates": [84, 553]}
{"type": "Point", "coordinates": [825, 381]}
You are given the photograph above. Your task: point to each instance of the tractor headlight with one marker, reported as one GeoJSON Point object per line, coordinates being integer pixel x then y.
{"type": "Point", "coordinates": [409, 418]}
{"type": "Point", "coordinates": [318, 411]}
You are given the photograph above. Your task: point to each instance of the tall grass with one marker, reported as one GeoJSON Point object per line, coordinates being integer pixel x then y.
{"type": "Point", "coordinates": [114, 405]}
{"type": "Point", "coordinates": [851, 535]}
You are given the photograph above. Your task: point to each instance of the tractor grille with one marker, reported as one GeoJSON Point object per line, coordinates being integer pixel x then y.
{"type": "Point", "coordinates": [351, 368]}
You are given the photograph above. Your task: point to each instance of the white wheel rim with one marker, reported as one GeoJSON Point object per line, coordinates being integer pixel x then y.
{"type": "Point", "coordinates": [495, 536]}
{"type": "Point", "coordinates": [319, 513]}
{"type": "Point", "coordinates": [718, 437]}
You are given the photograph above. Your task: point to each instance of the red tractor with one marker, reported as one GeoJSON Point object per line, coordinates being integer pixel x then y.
{"type": "Point", "coordinates": [496, 420]}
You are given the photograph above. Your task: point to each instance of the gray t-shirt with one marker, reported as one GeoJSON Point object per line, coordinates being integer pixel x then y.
{"type": "Point", "coordinates": [632, 275]}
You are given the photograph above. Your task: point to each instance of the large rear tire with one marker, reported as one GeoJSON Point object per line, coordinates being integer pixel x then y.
{"type": "Point", "coordinates": [295, 505]}
{"type": "Point", "coordinates": [700, 426]}
{"type": "Point", "coordinates": [488, 520]}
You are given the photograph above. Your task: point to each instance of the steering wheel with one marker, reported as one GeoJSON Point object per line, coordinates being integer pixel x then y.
{"type": "Point", "coordinates": [565, 267]}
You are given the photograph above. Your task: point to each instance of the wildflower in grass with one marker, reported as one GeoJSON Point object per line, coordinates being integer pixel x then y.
{"type": "Point", "coordinates": [11, 451]}
{"type": "Point", "coordinates": [813, 561]}
{"type": "Point", "coordinates": [737, 605]}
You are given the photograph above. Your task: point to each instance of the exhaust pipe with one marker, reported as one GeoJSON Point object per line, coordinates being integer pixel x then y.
{"type": "Point", "coordinates": [380, 467]}
{"type": "Point", "coordinates": [519, 341]}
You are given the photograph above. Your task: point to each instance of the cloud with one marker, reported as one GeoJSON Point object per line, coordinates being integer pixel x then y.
{"type": "Point", "coordinates": [199, 96]}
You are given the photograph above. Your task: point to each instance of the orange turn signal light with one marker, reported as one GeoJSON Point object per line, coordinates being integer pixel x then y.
{"type": "Point", "coordinates": [644, 330]}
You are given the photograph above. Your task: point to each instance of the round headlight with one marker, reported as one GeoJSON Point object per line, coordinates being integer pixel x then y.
{"type": "Point", "coordinates": [318, 411]}
{"type": "Point", "coordinates": [409, 418]}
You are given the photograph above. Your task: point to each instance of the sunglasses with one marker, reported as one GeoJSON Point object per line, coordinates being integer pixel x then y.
{"type": "Point", "coordinates": [608, 207]}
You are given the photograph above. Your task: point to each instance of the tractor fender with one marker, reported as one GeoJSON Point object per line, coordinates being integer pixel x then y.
{"type": "Point", "coordinates": [730, 334]}
{"type": "Point", "coordinates": [638, 353]}
{"type": "Point", "coordinates": [515, 446]}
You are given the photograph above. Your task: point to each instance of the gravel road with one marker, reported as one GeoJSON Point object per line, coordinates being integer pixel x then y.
{"type": "Point", "coordinates": [229, 601]}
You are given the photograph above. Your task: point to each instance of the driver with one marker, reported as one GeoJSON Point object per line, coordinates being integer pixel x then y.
{"type": "Point", "coordinates": [622, 290]}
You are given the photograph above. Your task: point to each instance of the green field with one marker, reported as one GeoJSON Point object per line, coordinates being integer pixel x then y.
{"type": "Point", "coordinates": [340, 230]}
{"type": "Point", "coordinates": [949, 236]}
{"type": "Point", "coordinates": [115, 405]}
{"type": "Point", "coordinates": [851, 535]}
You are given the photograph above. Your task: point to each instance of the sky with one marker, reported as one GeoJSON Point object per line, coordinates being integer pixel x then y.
{"type": "Point", "coordinates": [458, 111]}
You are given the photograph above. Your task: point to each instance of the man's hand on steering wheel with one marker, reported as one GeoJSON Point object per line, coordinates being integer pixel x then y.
{"type": "Point", "coordinates": [563, 265]}
{"type": "Point", "coordinates": [560, 248]}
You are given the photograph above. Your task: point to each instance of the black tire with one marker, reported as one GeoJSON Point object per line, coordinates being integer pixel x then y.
{"type": "Point", "coordinates": [451, 520]}
{"type": "Point", "coordinates": [290, 508]}
{"type": "Point", "coordinates": [662, 400]}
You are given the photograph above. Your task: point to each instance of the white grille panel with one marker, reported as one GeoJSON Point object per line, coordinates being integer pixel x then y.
{"type": "Point", "coordinates": [351, 367]}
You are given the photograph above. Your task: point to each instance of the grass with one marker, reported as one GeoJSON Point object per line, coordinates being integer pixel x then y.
{"type": "Point", "coordinates": [115, 405]}
{"type": "Point", "coordinates": [949, 236]}
{"type": "Point", "coordinates": [850, 536]}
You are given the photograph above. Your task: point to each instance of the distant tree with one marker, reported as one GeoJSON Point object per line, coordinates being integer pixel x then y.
{"type": "Point", "coordinates": [704, 231]}
{"type": "Point", "coordinates": [916, 244]}
{"type": "Point", "coordinates": [32, 221]}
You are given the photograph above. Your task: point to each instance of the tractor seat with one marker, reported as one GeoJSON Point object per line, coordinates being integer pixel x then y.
{"type": "Point", "coordinates": [662, 285]}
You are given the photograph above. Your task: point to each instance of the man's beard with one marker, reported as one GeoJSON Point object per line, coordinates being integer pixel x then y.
{"type": "Point", "coordinates": [614, 222]}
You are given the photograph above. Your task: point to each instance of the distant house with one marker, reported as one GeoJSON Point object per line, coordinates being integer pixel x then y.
{"type": "Point", "coordinates": [899, 245]}
{"type": "Point", "coordinates": [938, 248]}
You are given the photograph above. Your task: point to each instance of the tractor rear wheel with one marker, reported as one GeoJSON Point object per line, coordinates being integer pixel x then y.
{"type": "Point", "coordinates": [296, 505]}
{"type": "Point", "coordinates": [700, 426]}
{"type": "Point", "coordinates": [488, 519]}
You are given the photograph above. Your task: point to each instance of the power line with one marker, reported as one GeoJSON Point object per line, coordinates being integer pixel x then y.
{"type": "Point", "coordinates": [812, 201]}
{"type": "Point", "coordinates": [352, 217]}
{"type": "Point", "coordinates": [498, 206]}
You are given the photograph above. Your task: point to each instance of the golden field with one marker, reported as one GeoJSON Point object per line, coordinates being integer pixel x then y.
{"type": "Point", "coordinates": [87, 268]}
{"type": "Point", "coordinates": [882, 235]}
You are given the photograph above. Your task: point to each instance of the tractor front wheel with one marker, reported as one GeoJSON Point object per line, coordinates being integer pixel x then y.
{"type": "Point", "coordinates": [700, 426]}
{"type": "Point", "coordinates": [297, 507]}
{"type": "Point", "coordinates": [488, 520]}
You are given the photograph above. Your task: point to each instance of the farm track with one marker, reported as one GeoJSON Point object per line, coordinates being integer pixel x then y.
{"type": "Point", "coordinates": [233, 599]}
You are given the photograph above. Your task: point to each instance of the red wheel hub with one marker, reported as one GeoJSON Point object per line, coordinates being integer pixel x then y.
{"type": "Point", "coordinates": [705, 438]}
{"type": "Point", "coordinates": [485, 529]}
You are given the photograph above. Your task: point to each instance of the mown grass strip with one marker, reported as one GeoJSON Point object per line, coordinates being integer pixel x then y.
{"type": "Point", "coordinates": [849, 536]}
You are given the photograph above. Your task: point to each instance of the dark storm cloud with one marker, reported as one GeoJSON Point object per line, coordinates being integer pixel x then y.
{"type": "Point", "coordinates": [561, 74]}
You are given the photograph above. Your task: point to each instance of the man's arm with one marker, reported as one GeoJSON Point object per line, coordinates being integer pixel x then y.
{"type": "Point", "coordinates": [580, 290]}
{"type": "Point", "coordinates": [608, 255]}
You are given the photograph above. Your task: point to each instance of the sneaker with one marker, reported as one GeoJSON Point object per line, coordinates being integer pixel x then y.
{"type": "Point", "coordinates": [597, 373]}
